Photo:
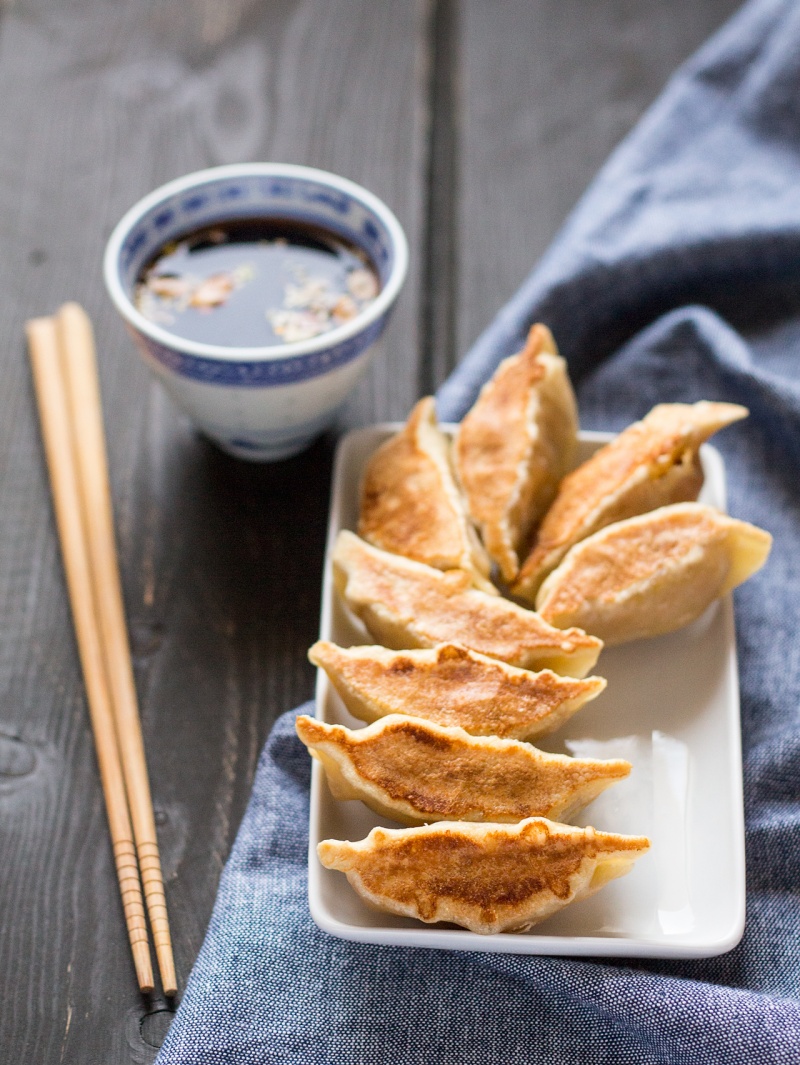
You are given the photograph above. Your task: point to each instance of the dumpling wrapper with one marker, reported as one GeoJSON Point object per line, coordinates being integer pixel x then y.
{"type": "Point", "coordinates": [453, 686]}
{"type": "Point", "coordinates": [652, 574]}
{"type": "Point", "coordinates": [650, 464]}
{"type": "Point", "coordinates": [415, 772]}
{"type": "Point", "coordinates": [407, 604]}
{"type": "Point", "coordinates": [514, 446]}
{"type": "Point", "coordinates": [411, 505]}
{"type": "Point", "coordinates": [487, 878]}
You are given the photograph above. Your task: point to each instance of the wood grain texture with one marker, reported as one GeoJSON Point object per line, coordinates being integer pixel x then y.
{"type": "Point", "coordinates": [547, 89]}
{"type": "Point", "coordinates": [220, 561]}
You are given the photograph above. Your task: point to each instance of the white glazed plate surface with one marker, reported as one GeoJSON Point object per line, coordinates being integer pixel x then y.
{"type": "Point", "coordinates": [671, 707]}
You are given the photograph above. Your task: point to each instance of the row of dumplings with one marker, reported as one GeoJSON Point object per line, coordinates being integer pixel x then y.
{"type": "Point", "coordinates": [444, 754]}
{"type": "Point", "coordinates": [614, 550]}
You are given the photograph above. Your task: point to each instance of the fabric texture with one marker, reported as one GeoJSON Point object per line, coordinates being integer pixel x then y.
{"type": "Point", "coordinates": [677, 278]}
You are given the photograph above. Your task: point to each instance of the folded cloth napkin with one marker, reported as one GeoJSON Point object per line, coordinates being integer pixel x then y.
{"type": "Point", "coordinates": [677, 278]}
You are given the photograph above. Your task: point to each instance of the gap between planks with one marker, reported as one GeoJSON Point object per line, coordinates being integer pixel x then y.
{"type": "Point", "coordinates": [439, 286]}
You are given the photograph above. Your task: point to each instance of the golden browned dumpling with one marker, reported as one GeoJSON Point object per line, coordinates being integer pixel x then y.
{"type": "Point", "coordinates": [407, 604]}
{"type": "Point", "coordinates": [451, 685]}
{"type": "Point", "coordinates": [651, 464]}
{"type": "Point", "coordinates": [652, 574]}
{"type": "Point", "coordinates": [416, 772]}
{"type": "Point", "coordinates": [410, 503]}
{"type": "Point", "coordinates": [487, 878]}
{"type": "Point", "coordinates": [515, 445]}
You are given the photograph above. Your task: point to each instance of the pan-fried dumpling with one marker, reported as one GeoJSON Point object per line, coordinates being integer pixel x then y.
{"type": "Point", "coordinates": [410, 503]}
{"type": "Point", "coordinates": [515, 445]}
{"type": "Point", "coordinates": [453, 686]}
{"type": "Point", "coordinates": [487, 878]}
{"type": "Point", "coordinates": [651, 464]}
{"type": "Point", "coordinates": [416, 772]}
{"type": "Point", "coordinates": [652, 574]}
{"type": "Point", "coordinates": [407, 604]}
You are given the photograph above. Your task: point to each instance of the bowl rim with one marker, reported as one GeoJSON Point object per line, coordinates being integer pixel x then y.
{"type": "Point", "coordinates": [296, 349]}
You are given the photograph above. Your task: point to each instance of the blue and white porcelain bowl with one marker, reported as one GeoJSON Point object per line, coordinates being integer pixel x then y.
{"type": "Point", "coordinates": [258, 403]}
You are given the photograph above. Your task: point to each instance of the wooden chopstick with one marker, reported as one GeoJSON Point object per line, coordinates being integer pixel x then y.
{"type": "Point", "coordinates": [83, 391]}
{"type": "Point", "coordinates": [55, 422]}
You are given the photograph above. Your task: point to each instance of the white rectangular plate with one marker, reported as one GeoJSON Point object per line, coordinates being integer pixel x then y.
{"type": "Point", "coordinates": [671, 707]}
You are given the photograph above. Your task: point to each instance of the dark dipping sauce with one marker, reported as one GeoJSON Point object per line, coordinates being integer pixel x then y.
{"type": "Point", "coordinates": [255, 282]}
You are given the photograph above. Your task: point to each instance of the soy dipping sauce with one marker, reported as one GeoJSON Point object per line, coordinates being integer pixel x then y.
{"type": "Point", "coordinates": [255, 282]}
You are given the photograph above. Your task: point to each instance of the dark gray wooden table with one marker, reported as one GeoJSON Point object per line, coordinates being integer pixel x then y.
{"type": "Point", "coordinates": [480, 122]}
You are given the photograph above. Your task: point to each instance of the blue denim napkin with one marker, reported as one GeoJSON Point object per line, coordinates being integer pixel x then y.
{"type": "Point", "coordinates": [676, 278]}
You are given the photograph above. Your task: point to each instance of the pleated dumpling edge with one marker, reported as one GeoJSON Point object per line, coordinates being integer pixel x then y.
{"type": "Point", "coordinates": [406, 604]}
{"type": "Point", "coordinates": [654, 573]}
{"type": "Point", "coordinates": [416, 772]}
{"type": "Point", "coordinates": [487, 878]}
{"type": "Point", "coordinates": [411, 504]}
{"type": "Point", "coordinates": [652, 463]}
{"type": "Point", "coordinates": [514, 446]}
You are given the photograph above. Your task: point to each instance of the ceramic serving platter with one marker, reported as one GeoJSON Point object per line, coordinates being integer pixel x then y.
{"type": "Point", "coordinates": [671, 707]}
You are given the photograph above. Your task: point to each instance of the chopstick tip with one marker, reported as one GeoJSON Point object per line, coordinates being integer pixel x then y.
{"type": "Point", "coordinates": [143, 966]}
{"type": "Point", "coordinates": [72, 307]}
{"type": "Point", "coordinates": [37, 325]}
{"type": "Point", "coordinates": [166, 965]}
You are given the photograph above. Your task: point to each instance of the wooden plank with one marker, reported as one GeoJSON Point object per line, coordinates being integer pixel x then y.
{"type": "Point", "coordinates": [547, 89]}
{"type": "Point", "coordinates": [221, 561]}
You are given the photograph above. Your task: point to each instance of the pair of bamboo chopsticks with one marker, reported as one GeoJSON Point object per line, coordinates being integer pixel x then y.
{"type": "Point", "coordinates": [68, 396]}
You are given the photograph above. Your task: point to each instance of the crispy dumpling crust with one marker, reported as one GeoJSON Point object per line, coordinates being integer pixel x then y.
{"type": "Point", "coordinates": [407, 604]}
{"type": "Point", "coordinates": [652, 574]}
{"type": "Point", "coordinates": [515, 445]}
{"type": "Point", "coordinates": [453, 686]}
{"type": "Point", "coordinates": [416, 772]}
{"type": "Point", "coordinates": [650, 464]}
{"type": "Point", "coordinates": [487, 878]}
{"type": "Point", "coordinates": [411, 505]}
